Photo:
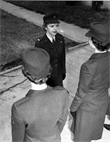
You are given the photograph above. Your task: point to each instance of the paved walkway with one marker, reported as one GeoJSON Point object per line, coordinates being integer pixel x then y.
{"type": "Point", "coordinates": [19, 86]}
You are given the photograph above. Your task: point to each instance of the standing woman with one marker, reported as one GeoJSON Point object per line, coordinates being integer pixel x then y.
{"type": "Point", "coordinates": [41, 115]}
{"type": "Point", "coordinates": [54, 44]}
{"type": "Point", "coordinates": [91, 99]}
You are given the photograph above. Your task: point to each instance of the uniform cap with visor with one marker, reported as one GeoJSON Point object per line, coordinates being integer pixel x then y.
{"type": "Point", "coordinates": [51, 18]}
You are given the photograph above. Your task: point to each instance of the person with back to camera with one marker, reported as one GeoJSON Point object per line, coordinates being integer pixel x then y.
{"type": "Point", "coordinates": [54, 44]}
{"type": "Point", "coordinates": [91, 100]}
{"type": "Point", "coordinates": [40, 116]}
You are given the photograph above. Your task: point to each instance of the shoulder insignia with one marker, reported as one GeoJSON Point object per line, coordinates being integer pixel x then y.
{"type": "Point", "coordinates": [22, 101]}
{"type": "Point", "coordinates": [38, 39]}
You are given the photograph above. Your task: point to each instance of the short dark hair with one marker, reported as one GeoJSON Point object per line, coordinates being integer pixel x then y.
{"type": "Point", "coordinates": [34, 79]}
{"type": "Point", "coordinates": [45, 25]}
{"type": "Point", "coordinates": [99, 45]}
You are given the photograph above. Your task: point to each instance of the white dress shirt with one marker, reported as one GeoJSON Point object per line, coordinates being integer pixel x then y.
{"type": "Point", "coordinates": [38, 86]}
{"type": "Point", "coordinates": [50, 37]}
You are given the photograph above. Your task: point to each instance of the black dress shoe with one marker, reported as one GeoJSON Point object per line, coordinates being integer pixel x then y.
{"type": "Point", "coordinates": [107, 126]}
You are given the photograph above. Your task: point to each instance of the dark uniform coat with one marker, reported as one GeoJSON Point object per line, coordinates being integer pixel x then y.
{"type": "Point", "coordinates": [56, 51]}
{"type": "Point", "coordinates": [91, 98]}
{"type": "Point", "coordinates": [40, 116]}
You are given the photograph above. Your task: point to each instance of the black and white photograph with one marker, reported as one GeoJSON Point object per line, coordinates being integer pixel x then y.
{"type": "Point", "coordinates": [54, 71]}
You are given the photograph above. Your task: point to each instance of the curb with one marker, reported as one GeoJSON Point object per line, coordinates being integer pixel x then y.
{"type": "Point", "coordinates": [69, 49]}
{"type": "Point", "coordinates": [11, 70]}
{"type": "Point", "coordinates": [78, 46]}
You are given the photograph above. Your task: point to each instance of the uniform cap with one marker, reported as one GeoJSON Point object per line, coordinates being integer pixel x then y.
{"type": "Point", "coordinates": [99, 31]}
{"type": "Point", "coordinates": [37, 62]}
{"type": "Point", "coordinates": [50, 18]}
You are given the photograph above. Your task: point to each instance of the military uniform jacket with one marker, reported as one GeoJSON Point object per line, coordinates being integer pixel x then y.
{"type": "Point", "coordinates": [56, 51]}
{"type": "Point", "coordinates": [91, 98]}
{"type": "Point", "coordinates": [40, 116]}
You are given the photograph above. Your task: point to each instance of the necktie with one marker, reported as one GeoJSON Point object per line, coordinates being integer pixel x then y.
{"type": "Point", "coordinates": [53, 39]}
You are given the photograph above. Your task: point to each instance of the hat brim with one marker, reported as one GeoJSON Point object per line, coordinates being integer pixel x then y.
{"type": "Point", "coordinates": [52, 22]}
{"type": "Point", "coordinates": [88, 34]}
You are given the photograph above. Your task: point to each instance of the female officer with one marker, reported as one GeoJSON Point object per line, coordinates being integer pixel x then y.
{"type": "Point", "coordinates": [91, 99]}
{"type": "Point", "coordinates": [39, 116]}
{"type": "Point", "coordinates": [54, 44]}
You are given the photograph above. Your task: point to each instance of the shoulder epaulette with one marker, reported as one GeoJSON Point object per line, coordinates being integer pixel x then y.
{"type": "Point", "coordinates": [39, 39]}
{"type": "Point", "coordinates": [22, 101]}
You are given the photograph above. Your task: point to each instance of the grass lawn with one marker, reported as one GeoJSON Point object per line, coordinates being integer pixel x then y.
{"type": "Point", "coordinates": [16, 35]}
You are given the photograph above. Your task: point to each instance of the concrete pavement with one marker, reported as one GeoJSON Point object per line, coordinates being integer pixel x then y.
{"type": "Point", "coordinates": [13, 85]}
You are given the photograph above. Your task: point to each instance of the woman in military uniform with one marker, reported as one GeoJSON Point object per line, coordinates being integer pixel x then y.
{"type": "Point", "coordinates": [54, 44]}
{"type": "Point", "coordinates": [92, 96]}
{"type": "Point", "coordinates": [41, 115]}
